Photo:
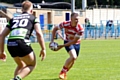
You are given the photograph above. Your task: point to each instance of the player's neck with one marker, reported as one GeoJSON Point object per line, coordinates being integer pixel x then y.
{"type": "Point", "coordinates": [28, 11]}
{"type": "Point", "coordinates": [73, 24]}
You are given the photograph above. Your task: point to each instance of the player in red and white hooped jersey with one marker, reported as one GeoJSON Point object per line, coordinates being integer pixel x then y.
{"type": "Point", "coordinates": [73, 33]}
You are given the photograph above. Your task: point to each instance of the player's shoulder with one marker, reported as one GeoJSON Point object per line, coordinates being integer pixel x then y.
{"type": "Point", "coordinates": [36, 19]}
{"type": "Point", "coordinates": [33, 18]}
{"type": "Point", "coordinates": [66, 23]}
{"type": "Point", "coordinates": [80, 26]}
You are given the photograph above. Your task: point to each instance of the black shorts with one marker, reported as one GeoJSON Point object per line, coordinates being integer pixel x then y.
{"type": "Point", "coordinates": [18, 48]}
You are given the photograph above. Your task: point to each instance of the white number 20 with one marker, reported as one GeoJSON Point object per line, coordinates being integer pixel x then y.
{"type": "Point", "coordinates": [21, 23]}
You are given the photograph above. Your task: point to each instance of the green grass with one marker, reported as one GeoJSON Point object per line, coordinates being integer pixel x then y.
{"type": "Point", "coordinates": [98, 60]}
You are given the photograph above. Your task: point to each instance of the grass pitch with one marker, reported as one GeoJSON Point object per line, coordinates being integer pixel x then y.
{"type": "Point", "coordinates": [98, 60]}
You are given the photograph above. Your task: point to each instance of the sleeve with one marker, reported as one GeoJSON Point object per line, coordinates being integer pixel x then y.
{"type": "Point", "coordinates": [9, 24]}
{"type": "Point", "coordinates": [36, 20]}
{"type": "Point", "coordinates": [61, 25]}
{"type": "Point", "coordinates": [80, 32]}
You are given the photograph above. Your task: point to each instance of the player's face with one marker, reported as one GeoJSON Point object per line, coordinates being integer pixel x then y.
{"type": "Point", "coordinates": [75, 18]}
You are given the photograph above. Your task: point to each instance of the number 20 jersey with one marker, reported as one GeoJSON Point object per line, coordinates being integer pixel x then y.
{"type": "Point", "coordinates": [21, 26]}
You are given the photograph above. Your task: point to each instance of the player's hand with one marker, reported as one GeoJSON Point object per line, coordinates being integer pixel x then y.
{"type": "Point", "coordinates": [42, 54]}
{"type": "Point", "coordinates": [59, 47]}
{"type": "Point", "coordinates": [3, 56]}
{"type": "Point", "coordinates": [80, 33]}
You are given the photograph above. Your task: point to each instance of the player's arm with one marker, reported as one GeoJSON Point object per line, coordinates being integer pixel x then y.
{"type": "Point", "coordinates": [2, 38]}
{"type": "Point", "coordinates": [76, 38]}
{"type": "Point", "coordinates": [54, 33]}
{"type": "Point", "coordinates": [39, 33]}
{"type": "Point", "coordinates": [60, 34]}
{"type": "Point", "coordinates": [39, 36]}
{"type": "Point", "coordinates": [72, 41]}
{"type": "Point", "coordinates": [55, 29]}
{"type": "Point", "coordinates": [3, 34]}
{"type": "Point", "coordinates": [40, 40]}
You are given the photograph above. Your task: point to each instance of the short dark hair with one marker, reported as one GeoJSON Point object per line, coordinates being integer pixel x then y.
{"type": "Point", "coordinates": [72, 14]}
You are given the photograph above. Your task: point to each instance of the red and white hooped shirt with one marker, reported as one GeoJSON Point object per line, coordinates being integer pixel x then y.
{"type": "Point", "coordinates": [71, 31]}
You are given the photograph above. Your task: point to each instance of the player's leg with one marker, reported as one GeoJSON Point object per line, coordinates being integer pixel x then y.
{"type": "Point", "coordinates": [71, 59]}
{"type": "Point", "coordinates": [30, 62]}
{"type": "Point", "coordinates": [20, 65]}
{"type": "Point", "coordinates": [68, 64]}
{"type": "Point", "coordinates": [77, 49]}
{"type": "Point", "coordinates": [62, 74]}
{"type": "Point", "coordinates": [71, 64]}
{"type": "Point", "coordinates": [73, 51]}
{"type": "Point", "coordinates": [26, 61]}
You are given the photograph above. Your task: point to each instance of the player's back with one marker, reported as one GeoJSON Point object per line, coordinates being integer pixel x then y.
{"type": "Point", "coordinates": [21, 26]}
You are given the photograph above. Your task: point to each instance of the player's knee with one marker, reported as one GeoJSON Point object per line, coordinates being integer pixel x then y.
{"type": "Point", "coordinates": [73, 58]}
{"type": "Point", "coordinates": [32, 66]}
{"type": "Point", "coordinates": [20, 66]}
{"type": "Point", "coordinates": [31, 60]}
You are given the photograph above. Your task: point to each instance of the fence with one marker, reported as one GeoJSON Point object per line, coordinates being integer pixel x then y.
{"type": "Point", "coordinates": [93, 32]}
{"type": "Point", "coordinates": [102, 31]}
{"type": "Point", "coordinates": [96, 32]}
{"type": "Point", "coordinates": [46, 30]}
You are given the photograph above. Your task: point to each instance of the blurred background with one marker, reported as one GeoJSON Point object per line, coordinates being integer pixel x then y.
{"type": "Point", "coordinates": [100, 18]}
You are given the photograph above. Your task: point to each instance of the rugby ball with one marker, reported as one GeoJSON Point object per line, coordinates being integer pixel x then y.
{"type": "Point", "coordinates": [53, 46]}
